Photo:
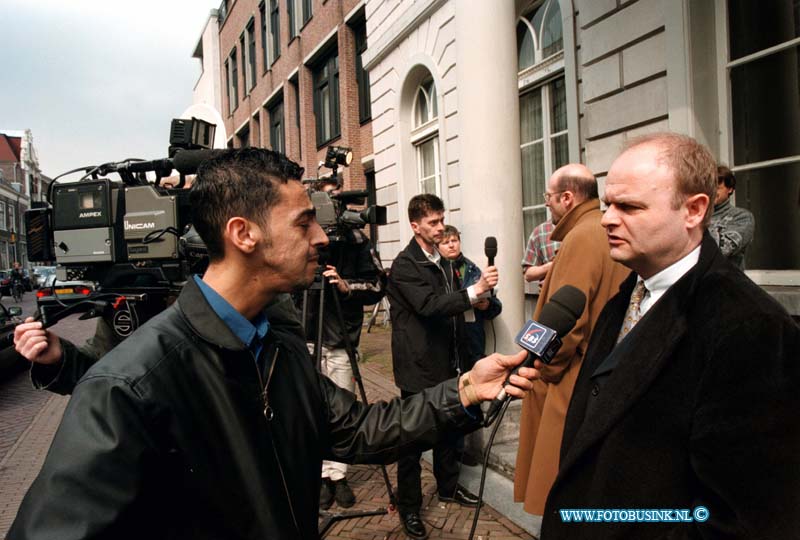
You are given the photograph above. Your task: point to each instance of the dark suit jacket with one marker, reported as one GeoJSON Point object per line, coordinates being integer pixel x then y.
{"type": "Point", "coordinates": [700, 410]}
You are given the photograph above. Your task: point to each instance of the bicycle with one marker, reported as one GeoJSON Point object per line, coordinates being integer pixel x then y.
{"type": "Point", "coordinates": [17, 290]}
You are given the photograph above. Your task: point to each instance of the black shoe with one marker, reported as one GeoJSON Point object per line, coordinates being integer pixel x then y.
{"type": "Point", "coordinates": [414, 527]}
{"type": "Point", "coordinates": [343, 494]}
{"type": "Point", "coordinates": [326, 493]}
{"type": "Point", "coordinates": [470, 459]}
{"type": "Point", "coordinates": [462, 497]}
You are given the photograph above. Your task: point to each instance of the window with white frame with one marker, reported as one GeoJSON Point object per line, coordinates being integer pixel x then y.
{"type": "Point", "coordinates": [542, 106]}
{"type": "Point", "coordinates": [425, 138]}
{"type": "Point", "coordinates": [764, 126]}
{"type": "Point", "coordinates": [12, 218]}
{"type": "Point", "coordinates": [274, 30]}
{"type": "Point", "coordinates": [3, 223]}
{"type": "Point", "coordinates": [251, 54]}
{"type": "Point", "coordinates": [300, 12]}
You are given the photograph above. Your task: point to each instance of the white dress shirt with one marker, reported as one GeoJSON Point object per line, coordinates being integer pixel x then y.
{"type": "Point", "coordinates": [658, 284]}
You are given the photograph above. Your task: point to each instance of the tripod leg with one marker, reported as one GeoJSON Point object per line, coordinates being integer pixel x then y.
{"type": "Point", "coordinates": [373, 317]}
{"type": "Point", "coordinates": [351, 354]}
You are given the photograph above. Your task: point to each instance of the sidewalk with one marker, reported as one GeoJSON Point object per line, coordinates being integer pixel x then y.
{"type": "Point", "coordinates": [22, 462]}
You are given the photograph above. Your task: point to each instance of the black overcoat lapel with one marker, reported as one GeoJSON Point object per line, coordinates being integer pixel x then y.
{"type": "Point", "coordinates": [653, 339]}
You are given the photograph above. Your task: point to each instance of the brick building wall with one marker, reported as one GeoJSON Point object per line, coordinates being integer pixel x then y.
{"type": "Point", "coordinates": [290, 75]}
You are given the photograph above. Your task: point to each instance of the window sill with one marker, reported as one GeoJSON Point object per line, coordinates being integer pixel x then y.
{"type": "Point", "coordinates": [365, 121]}
{"type": "Point", "coordinates": [776, 278]}
{"type": "Point", "coordinates": [329, 141]}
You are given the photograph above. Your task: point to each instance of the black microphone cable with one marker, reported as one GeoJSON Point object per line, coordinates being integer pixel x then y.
{"type": "Point", "coordinates": [542, 340]}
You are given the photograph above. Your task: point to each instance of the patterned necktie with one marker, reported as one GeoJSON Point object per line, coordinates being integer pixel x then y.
{"type": "Point", "coordinates": [634, 312]}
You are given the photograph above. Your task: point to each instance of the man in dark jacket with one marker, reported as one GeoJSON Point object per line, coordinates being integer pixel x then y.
{"type": "Point", "coordinates": [208, 422]}
{"type": "Point", "coordinates": [427, 307]}
{"type": "Point", "coordinates": [687, 400]}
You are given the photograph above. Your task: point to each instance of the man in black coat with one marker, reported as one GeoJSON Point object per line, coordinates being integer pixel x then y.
{"type": "Point", "coordinates": [683, 422]}
{"type": "Point", "coordinates": [428, 346]}
{"type": "Point", "coordinates": [209, 422]}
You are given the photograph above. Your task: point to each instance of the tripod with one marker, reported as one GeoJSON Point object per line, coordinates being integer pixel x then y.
{"type": "Point", "coordinates": [320, 284]}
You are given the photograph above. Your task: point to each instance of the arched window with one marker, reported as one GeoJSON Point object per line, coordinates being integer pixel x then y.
{"type": "Point", "coordinates": [542, 105]}
{"type": "Point", "coordinates": [539, 34]}
{"type": "Point", "coordinates": [425, 137]}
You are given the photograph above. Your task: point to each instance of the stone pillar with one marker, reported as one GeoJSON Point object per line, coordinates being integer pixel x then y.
{"type": "Point", "coordinates": [489, 167]}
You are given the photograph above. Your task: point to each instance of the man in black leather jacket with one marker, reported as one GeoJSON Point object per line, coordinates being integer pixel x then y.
{"type": "Point", "coordinates": [209, 423]}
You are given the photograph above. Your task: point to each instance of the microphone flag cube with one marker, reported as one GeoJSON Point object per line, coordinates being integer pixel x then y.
{"type": "Point", "coordinates": [539, 340]}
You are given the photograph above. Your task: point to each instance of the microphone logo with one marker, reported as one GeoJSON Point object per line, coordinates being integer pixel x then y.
{"type": "Point", "coordinates": [532, 336]}
{"type": "Point", "coordinates": [536, 338]}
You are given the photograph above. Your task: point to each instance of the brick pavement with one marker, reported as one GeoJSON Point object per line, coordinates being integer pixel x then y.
{"type": "Point", "coordinates": [21, 464]}
{"type": "Point", "coordinates": [443, 520]}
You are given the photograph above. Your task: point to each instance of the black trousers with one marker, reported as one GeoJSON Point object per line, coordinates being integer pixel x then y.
{"type": "Point", "coordinates": [445, 469]}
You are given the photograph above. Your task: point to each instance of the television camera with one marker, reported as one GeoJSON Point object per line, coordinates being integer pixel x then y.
{"type": "Point", "coordinates": [131, 237]}
{"type": "Point", "coordinates": [334, 213]}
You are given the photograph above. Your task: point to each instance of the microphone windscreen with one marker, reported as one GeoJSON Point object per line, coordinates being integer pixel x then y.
{"type": "Point", "coordinates": [563, 310]}
{"type": "Point", "coordinates": [490, 247]}
{"type": "Point", "coordinates": [188, 161]}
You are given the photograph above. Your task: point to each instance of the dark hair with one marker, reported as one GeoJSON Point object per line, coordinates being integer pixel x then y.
{"type": "Point", "coordinates": [421, 205]}
{"type": "Point", "coordinates": [450, 230]}
{"type": "Point", "coordinates": [584, 187]}
{"type": "Point", "coordinates": [725, 175]}
{"type": "Point", "coordinates": [241, 182]}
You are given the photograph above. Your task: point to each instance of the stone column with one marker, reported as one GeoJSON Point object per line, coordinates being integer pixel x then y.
{"type": "Point", "coordinates": [489, 167]}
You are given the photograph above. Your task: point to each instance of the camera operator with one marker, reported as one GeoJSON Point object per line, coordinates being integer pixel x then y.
{"type": "Point", "coordinates": [356, 273]}
{"type": "Point", "coordinates": [208, 422]}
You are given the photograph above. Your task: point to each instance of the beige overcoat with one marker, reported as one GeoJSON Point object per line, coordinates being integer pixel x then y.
{"type": "Point", "coordinates": [582, 261]}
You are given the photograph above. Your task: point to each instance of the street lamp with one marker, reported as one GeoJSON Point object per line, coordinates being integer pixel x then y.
{"type": "Point", "coordinates": [16, 186]}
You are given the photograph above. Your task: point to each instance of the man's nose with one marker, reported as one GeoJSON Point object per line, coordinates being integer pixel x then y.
{"type": "Point", "coordinates": [609, 218]}
{"type": "Point", "coordinates": [319, 238]}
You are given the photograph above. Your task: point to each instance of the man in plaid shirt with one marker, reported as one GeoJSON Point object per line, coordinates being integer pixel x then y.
{"type": "Point", "coordinates": [539, 253]}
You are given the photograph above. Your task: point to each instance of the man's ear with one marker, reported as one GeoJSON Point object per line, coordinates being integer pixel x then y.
{"type": "Point", "coordinates": [567, 199]}
{"type": "Point", "coordinates": [241, 234]}
{"type": "Point", "coordinates": [415, 227]}
{"type": "Point", "coordinates": [696, 207]}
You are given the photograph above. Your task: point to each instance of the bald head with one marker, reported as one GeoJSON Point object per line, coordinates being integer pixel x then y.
{"type": "Point", "coordinates": [576, 178]}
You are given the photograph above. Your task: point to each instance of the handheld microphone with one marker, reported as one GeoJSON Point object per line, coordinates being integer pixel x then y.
{"type": "Point", "coordinates": [542, 339]}
{"type": "Point", "coordinates": [490, 249]}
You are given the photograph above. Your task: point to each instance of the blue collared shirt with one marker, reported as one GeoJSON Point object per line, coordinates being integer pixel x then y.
{"type": "Point", "coordinates": [251, 333]}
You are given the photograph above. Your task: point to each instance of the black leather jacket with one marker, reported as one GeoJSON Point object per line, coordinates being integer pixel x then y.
{"type": "Point", "coordinates": [62, 377]}
{"type": "Point", "coordinates": [176, 434]}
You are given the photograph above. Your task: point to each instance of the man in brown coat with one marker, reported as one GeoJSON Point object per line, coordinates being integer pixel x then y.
{"type": "Point", "coordinates": [583, 261]}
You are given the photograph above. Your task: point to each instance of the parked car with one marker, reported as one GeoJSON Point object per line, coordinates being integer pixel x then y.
{"type": "Point", "coordinates": [10, 361]}
{"type": "Point", "coordinates": [64, 291]}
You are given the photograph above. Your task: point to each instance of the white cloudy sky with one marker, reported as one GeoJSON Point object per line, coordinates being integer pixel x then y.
{"type": "Point", "coordinates": [98, 80]}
